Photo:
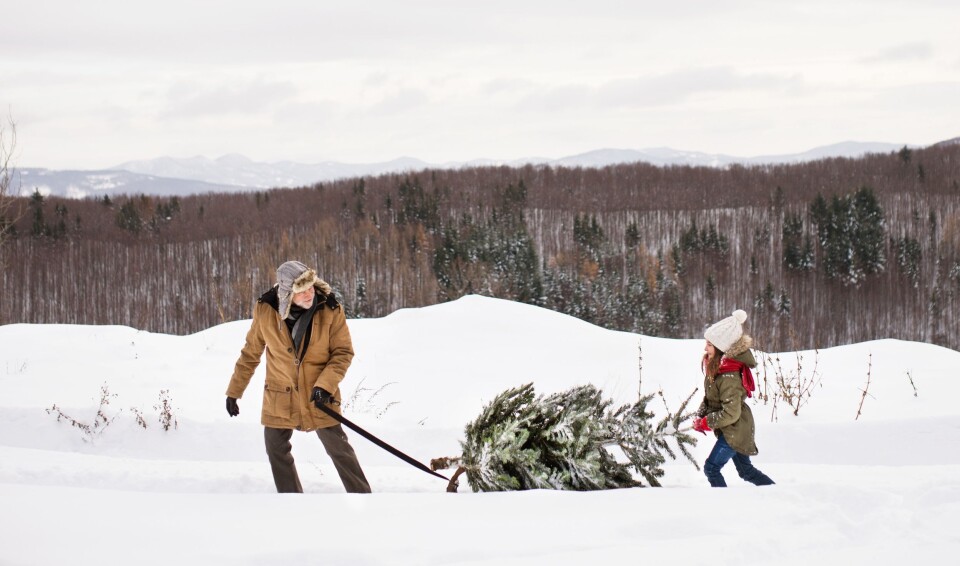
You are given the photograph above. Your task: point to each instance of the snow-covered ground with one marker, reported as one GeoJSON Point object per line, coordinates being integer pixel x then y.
{"type": "Point", "coordinates": [883, 488]}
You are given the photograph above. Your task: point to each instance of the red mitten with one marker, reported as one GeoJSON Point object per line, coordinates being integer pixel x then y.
{"type": "Point", "coordinates": [700, 425]}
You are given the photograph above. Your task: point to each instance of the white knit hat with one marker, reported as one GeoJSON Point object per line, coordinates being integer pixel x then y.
{"type": "Point", "coordinates": [726, 333]}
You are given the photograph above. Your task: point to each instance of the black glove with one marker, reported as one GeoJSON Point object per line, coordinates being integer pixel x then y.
{"type": "Point", "coordinates": [321, 397]}
{"type": "Point", "coordinates": [232, 408]}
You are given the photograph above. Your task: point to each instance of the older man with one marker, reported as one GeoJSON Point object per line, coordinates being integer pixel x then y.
{"type": "Point", "coordinates": [304, 331]}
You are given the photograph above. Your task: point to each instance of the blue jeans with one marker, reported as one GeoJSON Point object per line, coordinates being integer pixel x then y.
{"type": "Point", "coordinates": [720, 455]}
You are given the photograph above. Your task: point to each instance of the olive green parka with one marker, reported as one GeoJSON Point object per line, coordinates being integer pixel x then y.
{"type": "Point", "coordinates": [289, 381]}
{"type": "Point", "coordinates": [724, 403]}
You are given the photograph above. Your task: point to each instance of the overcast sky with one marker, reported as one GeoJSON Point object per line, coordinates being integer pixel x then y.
{"type": "Point", "coordinates": [94, 84]}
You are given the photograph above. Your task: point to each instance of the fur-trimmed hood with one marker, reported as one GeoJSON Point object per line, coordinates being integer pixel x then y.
{"type": "Point", "coordinates": [324, 292]}
{"type": "Point", "coordinates": [294, 277]}
{"type": "Point", "coordinates": [740, 346]}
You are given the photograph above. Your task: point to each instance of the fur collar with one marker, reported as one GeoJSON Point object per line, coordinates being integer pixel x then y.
{"type": "Point", "coordinates": [272, 298]}
{"type": "Point", "coordinates": [740, 346]}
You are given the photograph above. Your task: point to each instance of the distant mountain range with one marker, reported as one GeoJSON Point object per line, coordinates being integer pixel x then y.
{"type": "Point", "coordinates": [168, 176]}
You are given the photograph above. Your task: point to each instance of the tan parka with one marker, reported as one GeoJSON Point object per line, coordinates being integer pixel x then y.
{"type": "Point", "coordinates": [289, 382]}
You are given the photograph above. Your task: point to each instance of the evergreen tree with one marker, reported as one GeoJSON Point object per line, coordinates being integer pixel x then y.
{"type": "Point", "coordinates": [633, 235]}
{"type": "Point", "coordinates": [905, 154]}
{"type": "Point", "coordinates": [765, 300]}
{"type": "Point", "coordinates": [455, 260]}
{"type": "Point", "coordinates": [797, 248]}
{"type": "Point", "coordinates": [852, 235]}
{"type": "Point", "coordinates": [690, 240]}
{"type": "Point", "coordinates": [417, 205]}
{"type": "Point", "coordinates": [836, 241]}
{"type": "Point", "coordinates": [908, 258]}
{"type": "Point", "coordinates": [638, 305]}
{"type": "Point", "coordinates": [495, 256]}
{"type": "Point", "coordinates": [516, 266]}
{"type": "Point", "coordinates": [522, 441]}
{"type": "Point", "coordinates": [360, 198]}
{"type": "Point", "coordinates": [932, 222]}
{"type": "Point", "coordinates": [819, 213]}
{"type": "Point", "coordinates": [716, 242]}
{"type": "Point", "coordinates": [566, 293]}
{"type": "Point", "coordinates": [676, 255]}
{"type": "Point", "coordinates": [704, 239]}
{"type": "Point", "coordinates": [589, 236]}
{"type": "Point", "coordinates": [784, 304]}
{"type": "Point", "coordinates": [869, 231]}
{"type": "Point", "coordinates": [671, 308]}
{"type": "Point", "coordinates": [360, 302]}
{"type": "Point", "coordinates": [807, 261]}
{"type": "Point", "coordinates": [59, 230]}
{"type": "Point", "coordinates": [39, 227]}
{"type": "Point", "coordinates": [167, 210]}
{"type": "Point", "coordinates": [128, 217]}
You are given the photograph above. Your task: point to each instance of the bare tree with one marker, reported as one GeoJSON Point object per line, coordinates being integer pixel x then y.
{"type": "Point", "coordinates": [10, 209]}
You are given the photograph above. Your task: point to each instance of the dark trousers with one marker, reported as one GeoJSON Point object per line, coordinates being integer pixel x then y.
{"type": "Point", "coordinates": [720, 455]}
{"type": "Point", "coordinates": [334, 441]}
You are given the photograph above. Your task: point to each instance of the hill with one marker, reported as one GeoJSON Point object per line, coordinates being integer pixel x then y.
{"type": "Point", "coordinates": [203, 492]}
{"type": "Point", "coordinates": [233, 173]}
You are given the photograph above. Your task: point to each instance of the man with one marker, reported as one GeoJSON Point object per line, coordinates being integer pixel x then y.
{"type": "Point", "coordinates": [304, 331]}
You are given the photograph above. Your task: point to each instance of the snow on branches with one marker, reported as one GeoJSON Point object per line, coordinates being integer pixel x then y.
{"type": "Point", "coordinates": [561, 441]}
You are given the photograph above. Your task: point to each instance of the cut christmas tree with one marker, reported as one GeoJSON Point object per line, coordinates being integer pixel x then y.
{"type": "Point", "coordinates": [564, 441]}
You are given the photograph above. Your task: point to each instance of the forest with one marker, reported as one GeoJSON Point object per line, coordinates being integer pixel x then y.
{"type": "Point", "coordinates": [820, 254]}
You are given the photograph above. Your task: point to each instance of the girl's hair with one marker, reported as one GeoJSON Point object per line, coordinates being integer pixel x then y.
{"type": "Point", "coordinates": [710, 366]}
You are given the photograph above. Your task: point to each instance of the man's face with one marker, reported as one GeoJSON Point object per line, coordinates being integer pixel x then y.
{"type": "Point", "coordinates": [304, 299]}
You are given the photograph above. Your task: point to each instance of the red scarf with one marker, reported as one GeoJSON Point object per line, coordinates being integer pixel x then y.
{"type": "Point", "coordinates": [729, 365]}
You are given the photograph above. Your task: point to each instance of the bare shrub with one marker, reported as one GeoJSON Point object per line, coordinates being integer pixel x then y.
{"type": "Point", "coordinates": [138, 414]}
{"type": "Point", "coordinates": [91, 430]}
{"type": "Point", "coordinates": [364, 400]}
{"type": "Point", "coordinates": [912, 384]}
{"type": "Point", "coordinates": [866, 388]}
{"type": "Point", "coordinates": [793, 386]}
{"type": "Point", "coordinates": [164, 406]}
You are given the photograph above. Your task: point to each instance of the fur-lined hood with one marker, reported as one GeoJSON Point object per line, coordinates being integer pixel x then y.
{"type": "Point", "coordinates": [740, 346]}
{"type": "Point", "coordinates": [324, 293]}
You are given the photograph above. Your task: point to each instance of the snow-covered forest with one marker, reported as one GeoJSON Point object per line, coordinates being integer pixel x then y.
{"type": "Point", "coordinates": [828, 252]}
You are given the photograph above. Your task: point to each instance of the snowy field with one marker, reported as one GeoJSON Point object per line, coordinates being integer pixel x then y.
{"type": "Point", "coordinates": [883, 488]}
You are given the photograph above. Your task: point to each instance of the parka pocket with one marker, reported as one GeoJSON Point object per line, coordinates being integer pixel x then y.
{"type": "Point", "coordinates": [277, 400]}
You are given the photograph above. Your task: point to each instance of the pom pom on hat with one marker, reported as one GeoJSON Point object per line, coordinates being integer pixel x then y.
{"type": "Point", "coordinates": [726, 333]}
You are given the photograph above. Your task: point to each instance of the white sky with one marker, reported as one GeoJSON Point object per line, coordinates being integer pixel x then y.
{"type": "Point", "coordinates": [91, 85]}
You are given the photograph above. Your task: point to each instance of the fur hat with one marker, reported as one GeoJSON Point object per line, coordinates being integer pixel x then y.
{"type": "Point", "coordinates": [294, 277]}
{"type": "Point", "coordinates": [727, 335]}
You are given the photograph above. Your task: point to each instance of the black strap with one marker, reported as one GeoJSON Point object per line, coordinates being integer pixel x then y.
{"type": "Point", "coordinates": [378, 442]}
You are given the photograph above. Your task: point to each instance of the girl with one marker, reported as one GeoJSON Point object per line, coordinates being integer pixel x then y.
{"type": "Point", "coordinates": [727, 383]}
